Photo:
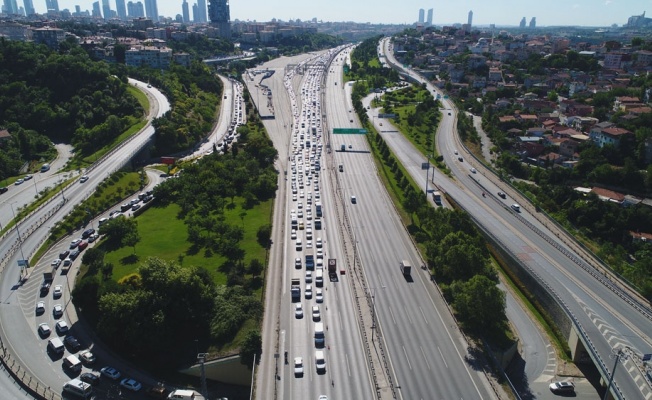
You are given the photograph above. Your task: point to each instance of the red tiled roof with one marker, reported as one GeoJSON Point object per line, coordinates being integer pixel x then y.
{"type": "Point", "coordinates": [609, 194]}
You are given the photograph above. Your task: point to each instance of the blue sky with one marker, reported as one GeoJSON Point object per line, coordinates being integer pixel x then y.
{"type": "Point", "coordinates": [500, 12]}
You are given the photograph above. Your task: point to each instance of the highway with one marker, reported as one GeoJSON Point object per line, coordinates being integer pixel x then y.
{"type": "Point", "coordinates": [18, 321]}
{"type": "Point", "coordinates": [602, 312]}
{"type": "Point", "coordinates": [295, 101]}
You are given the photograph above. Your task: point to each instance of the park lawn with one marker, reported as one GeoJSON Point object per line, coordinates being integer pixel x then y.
{"type": "Point", "coordinates": [165, 236]}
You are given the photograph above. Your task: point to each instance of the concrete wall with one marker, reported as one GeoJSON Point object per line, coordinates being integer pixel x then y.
{"type": "Point", "coordinates": [227, 370]}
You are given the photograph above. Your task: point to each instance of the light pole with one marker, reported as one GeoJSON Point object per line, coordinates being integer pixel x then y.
{"type": "Point", "coordinates": [20, 240]}
{"type": "Point", "coordinates": [619, 355]}
{"type": "Point", "coordinates": [373, 312]}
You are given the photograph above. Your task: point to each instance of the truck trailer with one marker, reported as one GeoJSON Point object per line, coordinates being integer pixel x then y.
{"type": "Point", "coordinates": [332, 269]}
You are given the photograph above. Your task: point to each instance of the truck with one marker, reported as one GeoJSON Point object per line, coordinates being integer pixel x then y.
{"type": "Point", "coordinates": [436, 196]}
{"type": "Point", "coordinates": [295, 289]}
{"type": "Point", "coordinates": [343, 148]}
{"type": "Point", "coordinates": [318, 209]}
{"type": "Point", "coordinates": [310, 261]}
{"type": "Point", "coordinates": [406, 268]}
{"type": "Point", "coordinates": [332, 269]}
{"type": "Point", "coordinates": [48, 277]}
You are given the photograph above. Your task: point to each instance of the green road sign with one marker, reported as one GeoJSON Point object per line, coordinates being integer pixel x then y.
{"type": "Point", "coordinates": [339, 131]}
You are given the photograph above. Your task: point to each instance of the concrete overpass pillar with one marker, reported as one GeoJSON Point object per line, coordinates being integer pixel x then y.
{"type": "Point", "coordinates": [578, 352]}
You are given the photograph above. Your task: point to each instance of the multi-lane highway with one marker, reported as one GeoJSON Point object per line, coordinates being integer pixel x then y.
{"type": "Point", "coordinates": [18, 317]}
{"type": "Point", "coordinates": [601, 312]}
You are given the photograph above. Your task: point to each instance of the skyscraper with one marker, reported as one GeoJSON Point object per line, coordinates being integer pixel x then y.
{"type": "Point", "coordinates": [220, 15]}
{"type": "Point", "coordinates": [121, 9]}
{"type": "Point", "coordinates": [106, 9]}
{"type": "Point", "coordinates": [429, 20]}
{"type": "Point", "coordinates": [533, 23]}
{"type": "Point", "coordinates": [186, 11]}
{"type": "Point", "coordinates": [97, 11]}
{"type": "Point", "coordinates": [522, 24]}
{"type": "Point", "coordinates": [52, 5]}
{"type": "Point", "coordinates": [470, 20]}
{"type": "Point", "coordinates": [151, 9]}
{"type": "Point", "coordinates": [195, 13]}
{"type": "Point", "coordinates": [29, 7]}
{"type": "Point", "coordinates": [422, 14]}
{"type": "Point", "coordinates": [11, 7]}
{"type": "Point", "coordinates": [201, 5]}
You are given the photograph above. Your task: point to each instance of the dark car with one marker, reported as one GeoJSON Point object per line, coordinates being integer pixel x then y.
{"type": "Point", "coordinates": [125, 207]}
{"type": "Point", "coordinates": [64, 254]}
{"type": "Point", "coordinates": [87, 233]}
{"type": "Point", "coordinates": [74, 254]}
{"type": "Point", "coordinates": [501, 195]}
{"type": "Point", "coordinates": [3, 190]}
{"type": "Point", "coordinates": [90, 378]}
{"type": "Point", "coordinates": [72, 343]}
{"type": "Point", "coordinates": [157, 392]}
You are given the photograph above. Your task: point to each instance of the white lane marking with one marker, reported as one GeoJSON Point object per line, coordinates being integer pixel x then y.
{"type": "Point", "coordinates": [425, 358]}
{"type": "Point", "coordinates": [442, 357]}
{"type": "Point", "coordinates": [424, 316]}
{"type": "Point", "coordinates": [392, 314]}
{"type": "Point", "coordinates": [407, 358]}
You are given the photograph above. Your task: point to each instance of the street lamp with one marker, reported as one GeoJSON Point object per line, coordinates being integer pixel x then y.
{"type": "Point", "coordinates": [620, 356]}
{"type": "Point", "coordinates": [20, 240]}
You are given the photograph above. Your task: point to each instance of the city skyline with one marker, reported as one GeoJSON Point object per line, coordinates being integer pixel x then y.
{"type": "Point", "coordinates": [580, 12]}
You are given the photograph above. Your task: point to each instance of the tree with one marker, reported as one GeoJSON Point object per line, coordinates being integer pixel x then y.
{"type": "Point", "coordinates": [480, 304]}
{"type": "Point", "coordinates": [251, 348]}
{"type": "Point", "coordinates": [255, 267]}
{"type": "Point", "coordinates": [412, 203]}
{"type": "Point", "coordinates": [264, 235]}
{"type": "Point", "coordinates": [131, 239]}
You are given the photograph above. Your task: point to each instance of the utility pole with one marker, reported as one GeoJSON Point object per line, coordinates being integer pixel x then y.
{"type": "Point", "coordinates": [204, 389]}
{"type": "Point", "coordinates": [619, 355]}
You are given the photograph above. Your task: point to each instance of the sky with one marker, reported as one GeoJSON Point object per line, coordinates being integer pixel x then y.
{"type": "Point", "coordinates": [499, 12]}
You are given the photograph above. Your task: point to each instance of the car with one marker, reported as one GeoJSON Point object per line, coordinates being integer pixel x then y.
{"type": "Point", "coordinates": [308, 292]}
{"type": "Point", "coordinates": [316, 315]}
{"type": "Point", "coordinates": [117, 215]}
{"type": "Point", "coordinates": [319, 243]}
{"type": "Point", "coordinates": [83, 179]}
{"type": "Point", "coordinates": [124, 207]}
{"type": "Point", "coordinates": [131, 384]}
{"type": "Point", "coordinates": [353, 200]}
{"type": "Point", "coordinates": [460, 159]}
{"type": "Point", "coordinates": [27, 177]}
{"type": "Point", "coordinates": [103, 221]}
{"type": "Point", "coordinates": [3, 190]}
{"type": "Point", "coordinates": [298, 310]}
{"type": "Point", "coordinates": [323, 397]}
{"type": "Point", "coordinates": [40, 308]}
{"type": "Point", "coordinates": [455, 152]}
{"type": "Point", "coordinates": [308, 244]}
{"type": "Point", "coordinates": [55, 263]}
{"type": "Point", "coordinates": [57, 311]}
{"type": "Point", "coordinates": [90, 378]}
{"type": "Point", "coordinates": [319, 296]}
{"type": "Point", "coordinates": [135, 207]}
{"type": "Point", "coordinates": [58, 291]}
{"type": "Point", "coordinates": [74, 254]}
{"type": "Point", "coordinates": [67, 262]}
{"type": "Point", "coordinates": [157, 392]}
{"type": "Point", "coordinates": [298, 366]}
{"type": "Point", "coordinates": [64, 254]}
{"type": "Point", "coordinates": [516, 207]}
{"type": "Point", "coordinates": [75, 243]}
{"type": "Point", "coordinates": [72, 343]}
{"type": "Point", "coordinates": [501, 195]}
{"type": "Point", "coordinates": [473, 170]}
{"type": "Point", "coordinates": [87, 357]}
{"type": "Point", "coordinates": [93, 238]}
{"type": "Point", "coordinates": [351, 146]}
{"type": "Point", "coordinates": [44, 329]}
{"type": "Point", "coordinates": [19, 181]}
{"type": "Point", "coordinates": [82, 245]}
{"type": "Point", "coordinates": [110, 373]}
{"type": "Point", "coordinates": [134, 201]}
{"type": "Point", "coordinates": [293, 234]}
{"type": "Point", "coordinates": [87, 233]}
{"type": "Point", "coordinates": [61, 327]}
{"type": "Point", "coordinates": [297, 263]}
{"type": "Point", "coordinates": [562, 387]}
{"type": "Point", "coordinates": [308, 276]}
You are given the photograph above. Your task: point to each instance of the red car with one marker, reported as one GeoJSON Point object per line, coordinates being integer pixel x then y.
{"type": "Point", "coordinates": [82, 245]}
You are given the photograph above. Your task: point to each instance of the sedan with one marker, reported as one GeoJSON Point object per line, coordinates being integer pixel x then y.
{"type": "Point", "coordinates": [56, 262]}
{"type": "Point", "coordinates": [297, 263]}
{"type": "Point", "coordinates": [62, 327]}
{"type": "Point", "coordinates": [58, 291]}
{"type": "Point", "coordinates": [131, 384]}
{"type": "Point", "coordinates": [316, 315]}
{"type": "Point", "coordinates": [57, 311]}
{"type": "Point", "coordinates": [562, 387]}
{"type": "Point", "coordinates": [90, 378]}
{"type": "Point", "coordinates": [353, 200]}
{"type": "Point", "coordinates": [298, 366]}
{"type": "Point", "coordinates": [44, 330]}
{"type": "Point", "coordinates": [75, 243]}
{"type": "Point", "coordinates": [64, 254]}
{"type": "Point", "coordinates": [473, 170]}
{"type": "Point", "coordinates": [40, 308]}
{"type": "Point", "coordinates": [298, 310]}
{"type": "Point", "coordinates": [87, 357]}
{"type": "Point", "coordinates": [501, 195]}
{"type": "Point", "coordinates": [19, 181]}
{"type": "Point", "coordinates": [83, 179]}
{"type": "Point", "coordinates": [319, 296]}
{"type": "Point", "coordinates": [110, 373]}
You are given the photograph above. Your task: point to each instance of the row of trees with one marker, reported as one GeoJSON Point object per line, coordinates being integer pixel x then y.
{"type": "Point", "coordinates": [47, 96]}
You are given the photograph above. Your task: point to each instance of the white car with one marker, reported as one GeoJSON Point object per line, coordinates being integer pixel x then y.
{"type": "Point", "coordinates": [298, 366]}
{"type": "Point", "coordinates": [40, 308]}
{"type": "Point", "coordinates": [83, 179]}
{"type": "Point", "coordinates": [293, 234]}
{"type": "Point", "coordinates": [61, 327]}
{"type": "Point", "coordinates": [57, 311]}
{"type": "Point", "coordinates": [297, 263]}
{"type": "Point", "coordinates": [308, 276]}
{"type": "Point", "coordinates": [319, 296]}
{"type": "Point", "coordinates": [58, 291]}
{"type": "Point", "coordinates": [298, 310]}
{"type": "Point", "coordinates": [308, 292]}
{"type": "Point", "coordinates": [316, 315]}
{"type": "Point", "coordinates": [56, 262]}
{"type": "Point", "coordinates": [473, 170]}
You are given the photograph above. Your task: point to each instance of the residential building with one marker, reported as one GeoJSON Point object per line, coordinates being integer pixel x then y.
{"type": "Point", "coordinates": [151, 56]}
{"type": "Point", "coordinates": [604, 136]}
{"type": "Point", "coordinates": [220, 16]}
{"type": "Point", "coordinates": [15, 31]}
{"type": "Point", "coordinates": [51, 37]}
{"type": "Point", "coordinates": [135, 9]}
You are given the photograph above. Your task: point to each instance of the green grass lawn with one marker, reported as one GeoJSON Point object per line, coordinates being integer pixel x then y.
{"type": "Point", "coordinates": [165, 236]}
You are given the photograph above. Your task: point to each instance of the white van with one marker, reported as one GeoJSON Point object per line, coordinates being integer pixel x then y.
{"type": "Point", "coordinates": [55, 345]}
{"type": "Point", "coordinates": [72, 363]}
{"type": "Point", "coordinates": [78, 388]}
{"type": "Point", "coordinates": [182, 394]}
{"type": "Point", "coordinates": [320, 338]}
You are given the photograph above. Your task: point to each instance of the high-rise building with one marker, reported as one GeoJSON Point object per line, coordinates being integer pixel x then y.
{"type": "Point", "coordinates": [106, 9]}
{"type": "Point", "coordinates": [422, 14]}
{"type": "Point", "coordinates": [29, 7]}
{"type": "Point", "coordinates": [470, 19]}
{"type": "Point", "coordinates": [52, 5]}
{"type": "Point", "coordinates": [151, 9]}
{"type": "Point", "coordinates": [11, 7]}
{"type": "Point", "coordinates": [121, 8]}
{"type": "Point", "coordinates": [186, 11]}
{"type": "Point", "coordinates": [220, 15]}
{"type": "Point", "coordinates": [522, 24]}
{"type": "Point", "coordinates": [429, 20]}
{"type": "Point", "coordinates": [533, 23]}
{"type": "Point", "coordinates": [195, 13]}
{"type": "Point", "coordinates": [97, 11]}
{"type": "Point", "coordinates": [201, 6]}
